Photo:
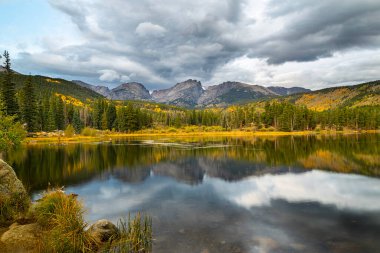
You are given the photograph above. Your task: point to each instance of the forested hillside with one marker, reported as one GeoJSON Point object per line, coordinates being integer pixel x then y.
{"type": "Point", "coordinates": [46, 85]}
{"type": "Point", "coordinates": [366, 94]}
{"type": "Point", "coordinates": [48, 104]}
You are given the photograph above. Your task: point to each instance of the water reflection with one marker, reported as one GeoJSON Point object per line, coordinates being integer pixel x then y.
{"type": "Point", "coordinates": [132, 159]}
{"type": "Point", "coordinates": [314, 211]}
{"type": "Point", "coordinates": [287, 194]}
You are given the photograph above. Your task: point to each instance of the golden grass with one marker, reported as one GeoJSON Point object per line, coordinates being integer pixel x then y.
{"type": "Point", "coordinates": [61, 216]}
{"type": "Point", "coordinates": [235, 133]}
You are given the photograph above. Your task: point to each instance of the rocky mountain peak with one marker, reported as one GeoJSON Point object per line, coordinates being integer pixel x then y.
{"type": "Point", "coordinates": [232, 92]}
{"type": "Point", "coordinates": [190, 93]}
{"type": "Point", "coordinates": [130, 91]}
{"type": "Point", "coordinates": [185, 94]}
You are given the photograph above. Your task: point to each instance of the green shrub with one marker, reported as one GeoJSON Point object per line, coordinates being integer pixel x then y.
{"type": "Point", "coordinates": [69, 131]}
{"type": "Point", "coordinates": [189, 129]}
{"type": "Point", "coordinates": [172, 130]}
{"type": "Point", "coordinates": [214, 129]}
{"type": "Point", "coordinates": [87, 131]}
{"type": "Point", "coordinates": [11, 132]}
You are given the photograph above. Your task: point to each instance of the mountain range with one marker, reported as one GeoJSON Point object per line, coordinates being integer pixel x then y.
{"type": "Point", "coordinates": [190, 93]}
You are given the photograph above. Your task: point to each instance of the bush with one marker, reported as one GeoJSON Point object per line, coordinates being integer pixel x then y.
{"type": "Point", "coordinates": [189, 129]}
{"type": "Point", "coordinates": [11, 132]}
{"type": "Point", "coordinates": [214, 129]}
{"type": "Point", "coordinates": [172, 130]}
{"type": "Point", "coordinates": [61, 216]}
{"type": "Point", "coordinates": [87, 131]}
{"type": "Point", "coordinates": [69, 131]}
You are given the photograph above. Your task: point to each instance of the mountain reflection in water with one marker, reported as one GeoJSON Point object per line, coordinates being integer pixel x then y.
{"type": "Point", "coordinates": [284, 194]}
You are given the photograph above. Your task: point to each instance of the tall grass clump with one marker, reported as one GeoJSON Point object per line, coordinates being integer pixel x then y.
{"type": "Point", "coordinates": [135, 235]}
{"type": "Point", "coordinates": [61, 216]}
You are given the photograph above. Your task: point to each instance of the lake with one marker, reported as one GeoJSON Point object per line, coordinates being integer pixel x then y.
{"type": "Point", "coordinates": [224, 194]}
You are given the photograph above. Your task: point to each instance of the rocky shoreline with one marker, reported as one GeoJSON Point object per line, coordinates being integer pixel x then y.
{"type": "Point", "coordinates": [21, 229]}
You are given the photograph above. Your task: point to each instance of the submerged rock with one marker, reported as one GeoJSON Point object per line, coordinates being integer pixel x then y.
{"type": "Point", "coordinates": [103, 230]}
{"type": "Point", "coordinates": [21, 238]}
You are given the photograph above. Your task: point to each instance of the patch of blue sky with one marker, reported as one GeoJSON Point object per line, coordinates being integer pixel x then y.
{"type": "Point", "coordinates": [25, 24]}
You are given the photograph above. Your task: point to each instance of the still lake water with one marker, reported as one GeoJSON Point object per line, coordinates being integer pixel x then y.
{"type": "Point", "coordinates": [262, 194]}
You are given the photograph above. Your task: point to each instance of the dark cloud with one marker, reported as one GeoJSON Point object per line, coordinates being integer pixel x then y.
{"type": "Point", "coordinates": [317, 30]}
{"type": "Point", "coordinates": [160, 42]}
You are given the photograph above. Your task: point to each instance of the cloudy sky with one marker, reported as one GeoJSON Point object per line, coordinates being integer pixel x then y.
{"type": "Point", "coordinates": [305, 43]}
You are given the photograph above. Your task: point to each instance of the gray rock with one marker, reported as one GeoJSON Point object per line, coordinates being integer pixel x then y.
{"type": "Point", "coordinates": [12, 192]}
{"type": "Point", "coordinates": [125, 91]}
{"type": "Point", "coordinates": [232, 92]}
{"type": "Point", "coordinates": [182, 94]}
{"type": "Point", "coordinates": [130, 91]}
{"type": "Point", "coordinates": [103, 230]}
{"type": "Point", "coordinates": [102, 90]}
{"type": "Point", "coordinates": [191, 94]}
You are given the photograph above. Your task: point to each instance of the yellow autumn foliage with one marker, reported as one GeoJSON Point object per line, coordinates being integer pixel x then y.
{"type": "Point", "coordinates": [52, 81]}
{"type": "Point", "coordinates": [70, 100]}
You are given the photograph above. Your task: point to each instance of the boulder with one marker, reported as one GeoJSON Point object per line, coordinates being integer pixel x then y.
{"type": "Point", "coordinates": [103, 230]}
{"type": "Point", "coordinates": [9, 183]}
{"type": "Point", "coordinates": [21, 238]}
{"type": "Point", "coordinates": [14, 199]}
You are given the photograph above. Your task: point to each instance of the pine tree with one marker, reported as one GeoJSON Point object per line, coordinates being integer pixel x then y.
{"type": "Point", "coordinates": [77, 123]}
{"type": "Point", "coordinates": [121, 119]}
{"type": "Point", "coordinates": [8, 92]}
{"type": "Point", "coordinates": [131, 122]}
{"type": "Point", "coordinates": [111, 116]}
{"type": "Point", "coordinates": [29, 111]}
{"type": "Point", "coordinates": [104, 121]}
{"type": "Point", "coordinates": [60, 115]}
{"type": "Point", "coordinates": [45, 114]}
{"type": "Point", "coordinates": [51, 120]}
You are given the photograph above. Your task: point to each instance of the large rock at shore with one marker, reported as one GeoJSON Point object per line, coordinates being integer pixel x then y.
{"type": "Point", "coordinates": [103, 230]}
{"type": "Point", "coordinates": [21, 238]}
{"type": "Point", "coordinates": [13, 197]}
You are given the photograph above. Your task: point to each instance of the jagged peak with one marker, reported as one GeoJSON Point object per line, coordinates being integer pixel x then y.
{"type": "Point", "coordinates": [189, 81]}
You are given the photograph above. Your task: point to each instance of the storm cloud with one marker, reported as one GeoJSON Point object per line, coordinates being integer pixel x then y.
{"type": "Point", "coordinates": [161, 42]}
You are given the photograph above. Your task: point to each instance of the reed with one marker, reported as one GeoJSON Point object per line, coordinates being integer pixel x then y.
{"type": "Point", "coordinates": [135, 235]}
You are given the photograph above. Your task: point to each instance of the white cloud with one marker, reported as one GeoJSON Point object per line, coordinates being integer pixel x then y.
{"type": "Point", "coordinates": [344, 191]}
{"type": "Point", "coordinates": [350, 67]}
{"type": "Point", "coordinates": [148, 29]}
{"type": "Point", "coordinates": [108, 75]}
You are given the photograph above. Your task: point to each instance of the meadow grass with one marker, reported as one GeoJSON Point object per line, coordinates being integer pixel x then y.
{"type": "Point", "coordinates": [108, 135]}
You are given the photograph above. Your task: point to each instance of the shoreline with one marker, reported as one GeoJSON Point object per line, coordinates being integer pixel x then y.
{"type": "Point", "coordinates": [238, 133]}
